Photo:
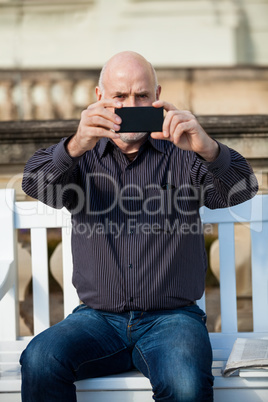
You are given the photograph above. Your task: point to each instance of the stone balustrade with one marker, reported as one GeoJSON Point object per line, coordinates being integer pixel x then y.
{"type": "Point", "coordinates": [39, 95]}
{"type": "Point", "coordinates": [63, 94]}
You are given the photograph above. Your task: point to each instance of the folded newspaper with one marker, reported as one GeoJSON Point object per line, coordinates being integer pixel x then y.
{"type": "Point", "coordinates": [247, 354]}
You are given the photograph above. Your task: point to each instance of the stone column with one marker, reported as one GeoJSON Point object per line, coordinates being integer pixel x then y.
{"type": "Point", "coordinates": [26, 100]}
{"type": "Point", "coordinates": [62, 99]}
{"type": "Point", "coordinates": [42, 101]}
{"type": "Point", "coordinates": [7, 110]}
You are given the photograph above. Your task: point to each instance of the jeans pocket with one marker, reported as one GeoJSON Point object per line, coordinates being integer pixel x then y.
{"type": "Point", "coordinates": [196, 312]}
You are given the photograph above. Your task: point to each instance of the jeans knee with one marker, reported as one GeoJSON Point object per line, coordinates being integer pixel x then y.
{"type": "Point", "coordinates": [186, 388]}
{"type": "Point", "coordinates": [40, 362]}
{"type": "Point", "coordinates": [44, 377]}
{"type": "Point", "coordinates": [34, 361]}
{"type": "Point", "coordinates": [174, 391]}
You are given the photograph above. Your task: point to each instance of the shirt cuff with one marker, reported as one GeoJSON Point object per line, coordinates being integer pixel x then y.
{"type": "Point", "coordinates": [61, 159]}
{"type": "Point", "coordinates": [221, 164]}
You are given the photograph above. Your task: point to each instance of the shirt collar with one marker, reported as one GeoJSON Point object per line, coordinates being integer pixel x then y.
{"type": "Point", "coordinates": [103, 146]}
{"type": "Point", "coordinates": [159, 145]}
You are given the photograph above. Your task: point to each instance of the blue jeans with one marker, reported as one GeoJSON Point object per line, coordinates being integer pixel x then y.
{"type": "Point", "coordinates": [170, 347]}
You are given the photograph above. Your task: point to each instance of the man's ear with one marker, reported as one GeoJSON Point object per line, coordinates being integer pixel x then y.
{"type": "Point", "coordinates": [98, 93]}
{"type": "Point", "coordinates": [158, 92]}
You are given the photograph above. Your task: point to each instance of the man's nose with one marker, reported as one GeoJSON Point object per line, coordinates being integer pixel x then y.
{"type": "Point", "coordinates": [131, 101]}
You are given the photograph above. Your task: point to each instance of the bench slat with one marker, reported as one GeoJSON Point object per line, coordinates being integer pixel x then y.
{"type": "Point", "coordinates": [40, 279]}
{"type": "Point", "coordinates": [259, 242]}
{"type": "Point", "coordinates": [70, 296]}
{"type": "Point", "coordinates": [227, 277]}
{"type": "Point", "coordinates": [9, 313]}
{"type": "Point", "coordinates": [202, 302]}
{"type": "Point", "coordinates": [248, 211]}
{"type": "Point", "coordinates": [26, 214]}
{"type": "Point", "coordinates": [8, 283]}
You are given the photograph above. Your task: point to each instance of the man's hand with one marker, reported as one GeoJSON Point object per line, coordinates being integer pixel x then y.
{"type": "Point", "coordinates": [96, 122]}
{"type": "Point", "coordinates": [182, 128]}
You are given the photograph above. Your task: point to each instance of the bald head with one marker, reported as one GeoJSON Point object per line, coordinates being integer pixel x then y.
{"type": "Point", "coordinates": [123, 63]}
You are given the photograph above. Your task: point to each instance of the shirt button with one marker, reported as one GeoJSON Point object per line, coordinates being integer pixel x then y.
{"type": "Point", "coordinates": [130, 266]}
{"type": "Point", "coordinates": [131, 231]}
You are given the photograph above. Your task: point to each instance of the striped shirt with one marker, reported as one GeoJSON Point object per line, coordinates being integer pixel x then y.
{"type": "Point", "coordinates": [137, 239]}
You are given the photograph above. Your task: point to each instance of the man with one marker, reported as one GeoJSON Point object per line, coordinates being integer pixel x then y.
{"type": "Point", "coordinates": [137, 242]}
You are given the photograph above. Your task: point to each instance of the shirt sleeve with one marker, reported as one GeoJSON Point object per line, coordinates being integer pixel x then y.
{"type": "Point", "coordinates": [227, 181]}
{"type": "Point", "coordinates": [50, 176]}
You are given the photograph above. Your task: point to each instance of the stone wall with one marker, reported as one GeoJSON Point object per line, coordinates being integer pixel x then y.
{"type": "Point", "coordinates": [248, 134]}
{"type": "Point", "coordinates": [171, 33]}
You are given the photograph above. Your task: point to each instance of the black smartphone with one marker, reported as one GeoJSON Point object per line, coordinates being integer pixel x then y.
{"type": "Point", "coordinates": [140, 119]}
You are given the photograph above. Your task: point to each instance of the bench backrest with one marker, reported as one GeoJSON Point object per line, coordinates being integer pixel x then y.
{"type": "Point", "coordinates": [38, 218]}
{"type": "Point", "coordinates": [253, 213]}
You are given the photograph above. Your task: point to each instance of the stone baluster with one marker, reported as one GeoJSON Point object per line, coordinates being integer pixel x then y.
{"type": "Point", "coordinates": [26, 98]}
{"type": "Point", "coordinates": [62, 99]}
{"type": "Point", "coordinates": [7, 109]}
{"type": "Point", "coordinates": [42, 103]}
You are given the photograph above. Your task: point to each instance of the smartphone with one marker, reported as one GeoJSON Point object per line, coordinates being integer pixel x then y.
{"type": "Point", "coordinates": [140, 119]}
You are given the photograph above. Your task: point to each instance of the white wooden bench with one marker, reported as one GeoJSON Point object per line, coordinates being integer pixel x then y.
{"type": "Point", "coordinates": [131, 386]}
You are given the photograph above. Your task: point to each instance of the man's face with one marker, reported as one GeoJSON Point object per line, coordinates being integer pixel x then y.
{"type": "Point", "coordinates": [133, 84]}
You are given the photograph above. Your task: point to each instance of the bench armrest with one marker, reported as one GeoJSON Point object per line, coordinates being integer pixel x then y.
{"type": "Point", "coordinates": [7, 276]}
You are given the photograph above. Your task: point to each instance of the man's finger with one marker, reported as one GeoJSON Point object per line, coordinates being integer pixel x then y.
{"type": "Point", "coordinates": [173, 119]}
{"type": "Point", "coordinates": [106, 103]}
{"type": "Point", "coordinates": [166, 105]}
{"type": "Point", "coordinates": [99, 110]}
{"type": "Point", "coordinates": [98, 121]}
{"type": "Point", "coordinates": [158, 135]}
{"type": "Point", "coordinates": [103, 132]}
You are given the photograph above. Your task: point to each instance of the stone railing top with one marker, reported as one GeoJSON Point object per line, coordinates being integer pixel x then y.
{"type": "Point", "coordinates": [47, 130]}
{"type": "Point", "coordinates": [247, 134]}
